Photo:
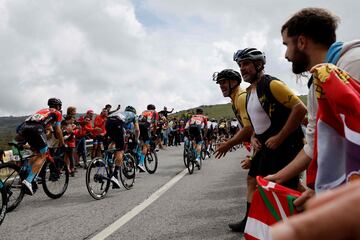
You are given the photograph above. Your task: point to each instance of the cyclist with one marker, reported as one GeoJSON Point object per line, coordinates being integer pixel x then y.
{"type": "Point", "coordinates": [32, 131]}
{"type": "Point", "coordinates": [148, 125]}
{"type": "Point", "coordinates": [234, 127]}
{"type": "Point", "coordinates": [229, 83]}
{"type": "Point", "coordinates": [115, 124]}
{"type": "Point", "coordinates": [275, 113]}
{"type": "Point", "coordinates": [196, 126]}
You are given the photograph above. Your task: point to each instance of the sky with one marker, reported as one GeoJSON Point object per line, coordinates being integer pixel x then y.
{"type": "Point", "coordinates": [90, 53]}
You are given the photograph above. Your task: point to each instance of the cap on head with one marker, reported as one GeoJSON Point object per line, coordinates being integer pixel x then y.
{"type": "Point", "coordinates": [90, 111]}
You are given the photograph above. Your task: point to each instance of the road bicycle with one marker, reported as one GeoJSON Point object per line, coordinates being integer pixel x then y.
{"type": "Point", "coordinates": [191, 158]}
{"type": "Point", "coordinates": [134, 148]}
{"type": "Point", "coordinates": [100, 170]}
{"type": "Point", "coordinates": [53, 176]}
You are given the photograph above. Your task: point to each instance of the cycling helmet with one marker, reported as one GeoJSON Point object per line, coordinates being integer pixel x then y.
{"type": "Point", "coordinates": [130, 109]}
{"type": "Point", "coordinates": [227, 74]}
{"type": "Point", "coordinates": [54, 102]}
{"type": "Point", "coordinates": [199, 111]}
{"type": "Point", "coordinates": [252, 54]}
{"type": "Point", "coordinates": [150, 107]}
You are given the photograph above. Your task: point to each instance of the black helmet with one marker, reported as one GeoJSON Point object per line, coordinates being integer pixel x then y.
{"type": "Point", "coordinates": [150, 107]}
{"type": "Point", "coordinates": [130, 109]}
{"type": "Point", "coordinates": [252, 54]}
{"type": "Point", "coordinates": [227, 74]}
{"type": "Point", "coordinates": [52, 102]}
{"type": "Point", "coordinates": [199, 111]}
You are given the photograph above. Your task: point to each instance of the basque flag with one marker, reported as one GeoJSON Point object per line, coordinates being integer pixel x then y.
{"type": "Point", "coordinates": [337, 136]}
{"type": "Point", "coordinates": [271, 203]}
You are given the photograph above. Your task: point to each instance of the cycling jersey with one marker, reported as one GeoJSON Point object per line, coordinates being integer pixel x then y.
{"type": "Point", "coordinates": [33, 129]}
{"type": "Point", "coordinates": [45, 116]}
{"type": "Point", "coordinates": [273, 101]}
{"type": "Point", "coordinates": [127, 117]}
{"type": "Point", "coordinates": [150, 116]}
{"type": "Point", "coordinates": [198, 119]}
{"type": "Point", "coordinates": [238, 99]}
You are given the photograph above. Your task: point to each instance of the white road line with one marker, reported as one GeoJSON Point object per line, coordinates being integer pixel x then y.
{"type": "Point", "coordinates": [136, 210]}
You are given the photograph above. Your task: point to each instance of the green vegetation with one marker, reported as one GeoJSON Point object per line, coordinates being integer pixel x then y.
{"type": "Point", "coordinates": [218, 111]}
{"type": "Point", "coordinates": [8, 130]}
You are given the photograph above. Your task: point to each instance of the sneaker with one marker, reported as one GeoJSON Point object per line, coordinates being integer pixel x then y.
{"type": "Point", "coordinates": [238, 227]}
{"type": "Point", "coordinates": [28, 187]}
{"type": "Point", "coordinates": [115, 182]}
{"type": "Point", "coordinates": [198, 162]}
{"type": "Point", "coordinates": [142, 168]}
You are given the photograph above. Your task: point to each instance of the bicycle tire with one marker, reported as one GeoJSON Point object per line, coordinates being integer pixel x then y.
{"type": "Point", "coordinates": [190, 161]}
{"type": "Point", "coordinates": [10, 176]}
{"type": "Point", "coordinates": [128, 171]}
{"type": "Point", "coordinates": [151, 162]}
{"type": "Point", "coordinates": [200, 164]}
{"type": "Point", "coordinates": [101, 176]}
{"type": "Point", "coordinates": [3, 203]}
{"type": "Point", "coordinates": [185, 155]}
{"type": "Point", "coordinates": [203, 152]}
{"type": "Point", "coordinates": [55, 179]}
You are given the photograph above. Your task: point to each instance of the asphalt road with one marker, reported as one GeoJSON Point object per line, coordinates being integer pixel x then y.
{"type": "Point", "coordinates": [197, 206]}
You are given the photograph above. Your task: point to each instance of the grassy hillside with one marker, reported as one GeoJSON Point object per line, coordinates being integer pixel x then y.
{"type": "Point", "coordinates": [218, 111]}
{"type": "Point", "coordinates": [7, 129]}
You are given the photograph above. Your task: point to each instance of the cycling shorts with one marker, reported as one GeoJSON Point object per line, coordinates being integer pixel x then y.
{"type": "Point", "coordinates": [195, 133]}
{"type": "Point", "coordinates": [115, 130]}
{"type": "Point", "coordinates": [144, 132]}
{"type": "Point", "coordinates": [34, 134]}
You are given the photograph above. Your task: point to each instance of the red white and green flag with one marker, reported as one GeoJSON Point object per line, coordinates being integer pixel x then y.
{"type": "Point", "coordinates": [337, 136]}
{"type": "Point", "coordinates": [271, 203]}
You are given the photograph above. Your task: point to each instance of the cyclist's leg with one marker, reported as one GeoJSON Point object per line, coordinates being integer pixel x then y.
{"type": "Point", "coordinates": [34, 134]}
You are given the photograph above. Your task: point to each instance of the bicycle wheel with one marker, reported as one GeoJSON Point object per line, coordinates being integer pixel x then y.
{"type": "Point", "coordinates": [10, 176]}
{"type": "Point", "coordinates": [55, 178]}
{"type": "Point", "coordinates": [203, 152]}
{"type": "Point", "coordinates": [151, 162]}
{"type": "Point", "coordinates": [97, 178]}
{"type": "Point", "coordinates": [185, 155]}
{"type": "Point", "coordinates": [190, 161]}
{"type": "Point", "coordinates": [127, 171]}
{"type": "Point", "coordinates": [3, 202]}
{"type": "Point", "coordinates": [199, 165]}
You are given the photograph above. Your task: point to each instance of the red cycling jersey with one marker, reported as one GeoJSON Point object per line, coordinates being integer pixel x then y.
{"type": "Point", "coordinates": [198, 119]}
{"type": "Point", "coordinates": [46, 116]}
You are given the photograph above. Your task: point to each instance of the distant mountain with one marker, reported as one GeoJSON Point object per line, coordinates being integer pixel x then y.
{"type": "Point", "coordinates": [8, 129]}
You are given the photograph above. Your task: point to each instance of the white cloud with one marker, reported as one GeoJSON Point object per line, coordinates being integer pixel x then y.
{"type": "Point", "coordinates": [93, 52]}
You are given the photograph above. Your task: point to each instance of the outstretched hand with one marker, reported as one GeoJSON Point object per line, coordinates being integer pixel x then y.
{"type": "Point", "coordinates": [222, 149]}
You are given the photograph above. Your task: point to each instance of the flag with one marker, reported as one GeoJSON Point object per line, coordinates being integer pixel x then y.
{"type": "Point", "coordinates": [337, 136]}
{"type": "Point", "coordinates": [271, 203]}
